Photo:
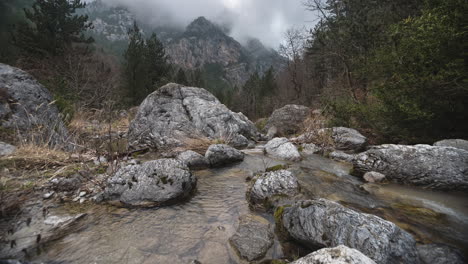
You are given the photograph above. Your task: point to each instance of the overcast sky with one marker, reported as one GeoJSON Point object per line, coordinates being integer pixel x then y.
{"type": "Point", "coordinates": [266, 20]}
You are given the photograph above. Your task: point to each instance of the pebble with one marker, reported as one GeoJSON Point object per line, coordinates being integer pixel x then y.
{"type": "Point", "coordinates": [48, 195]}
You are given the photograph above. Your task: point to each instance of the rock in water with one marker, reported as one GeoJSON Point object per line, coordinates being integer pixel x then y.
{"type": "Point", "coordinates": [271, 185]}
{"type": "Point", "coordinates": [373, 176]}
{"type": "Point", "coordinates": [439, 254]}
{"type": "Point", "coordinates": [454, 143]}
{"type": "Point", "coordinates": [193, 160]}
{"type": "Point", "coordinates": [27, 107]}
{"type": "Point", "coordinates": [323, 223]}
{"type": "Point", "coordinates": [253, 238]}
{"type": "Point", "coordinates": [288, 119]}
{"type": "Point", "coordinates": [152, 183]}
{"type": "Point", "coordinates": [281, 148]}
{"type": "Point", "coordinates": [175, 113]}
{"type": "Point", "coordinates": [341, 156]}
{"type": "Point", "coordinates": [337, 255]}
{"type": "Point", "coordinates": [442, 168]}
{"type": "Point", "coordinates": [348, 139]}
{"type": "Point", "coordinates": [220, 154]}
{"type": "Point", "coordinates": [6, 149]}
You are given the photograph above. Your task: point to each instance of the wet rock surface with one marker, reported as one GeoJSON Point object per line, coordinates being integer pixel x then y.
{"type": "Point", "coordinates": [337, 255]}
{"type": "Point", "coordinates": [287, 120]}
{"type": "Point", "coordinates": [220, 154]}
{"type": "Point", "coordinates": [454, 143]}
{"type": "Point", "coordinates": [439, 254]}
{"type": "Point", "coordinates": [27, 107]}
{"type": "Point", "coordinates": [341, 156]}
{"type": "Point", "coordinates": [193, 159]}
{"type": "Point", "coordinates": [152, 183]}
{"type": "Point", "coordinates": [271, 186]}
{"type": "Point", "coordinates": [281, 148]}
{"type": "Point", "coordinates": [443, 168]}
{"type": "Point", "coordinates": [373, 177]}
{"type": "Point", "coordinates": [175, 113]}
{"type": "Point", "coordinates": [323, 223]}
{"type": "Point", "coordinates": [253, 237]}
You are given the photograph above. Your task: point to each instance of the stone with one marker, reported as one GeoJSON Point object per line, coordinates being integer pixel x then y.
{"type": "Point", "coordinates": [221, 154]}
{"type": "Point", "coordinates": [48, 195]}
{"type": "Point", "coordinates": [281, 148]}
{"type": "Point", "coordinates": [6, 149]}
{"type": "Point", "coordinates": [175, 113]}
{"type": "Point", "coordinates": [443, 168]}
{"type": "Point", "coordinates": [271, 133]}
{"type": "Point", "coordinates": [337, 255]}
{"type": "Point", "coordinates": [309, 149]}
{"type": "Point", "coordinates": [28, 109]}
{"type": "Point", "coordinates": [439, 254]}
{"type": "Point", "coordinates": [341, 156]}
{"type": "Point", "coordinates": [67, 184]}
{"type": "Point", "coordinates": [323, 223]}
{"type": "Point", "coordinates": [288, 120]}
{"type": "Point", "coordinates": [454, 143]}
{"type": "Point", "coordinates": [348, 139]}
{"type": "Point", "coordinates": [153, 183]}
{"type": "Point", "coordinates": [373, 177]}
{"type": "Point", "coordinates": [270, 185]}
{"type": "Point", "coordinates": [193, 159]}
{"type": "Point", "coordinates": [253, 237]}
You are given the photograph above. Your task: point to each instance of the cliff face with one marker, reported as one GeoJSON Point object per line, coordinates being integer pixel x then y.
{"type": "Point", "coordinates": [202, 43]}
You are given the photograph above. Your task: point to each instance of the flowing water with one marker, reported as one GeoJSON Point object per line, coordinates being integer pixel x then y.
{"type": "Point", "coordinates": [199, 229]}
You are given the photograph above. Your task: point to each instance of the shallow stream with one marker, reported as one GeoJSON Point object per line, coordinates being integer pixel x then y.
{"type": "Point", "coordinates": [199, 229]}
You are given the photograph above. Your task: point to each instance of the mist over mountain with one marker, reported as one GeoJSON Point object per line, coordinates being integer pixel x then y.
{"type": "Point", "coordinates": [266, 20]}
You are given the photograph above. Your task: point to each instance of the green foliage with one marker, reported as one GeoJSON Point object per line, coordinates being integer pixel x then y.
{"type": "Point", "coordinates": [421, 75]}
{"type": "Point", "coordinates": [181, 78]}
{"type": "Point", "coordinates": [52, 27]}
{"type": "Point", "coordinates": [276, 168]}
{"type": "Point", "coordinates": [146, 65]}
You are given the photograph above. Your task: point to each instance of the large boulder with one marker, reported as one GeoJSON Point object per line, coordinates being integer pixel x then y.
{"type": "Point", "coordinates": [287, 120]}
{"type": "Point", "coordinates": [454, 143]}
{"type": "Point", "coordinates": [27, 108]}
{"type": "Point", "coordinates": [221, 154]}
{"type": "Point", "coordinates": [281, 148]}
{"type": "Point", "coordinates": [267, 187]}
{"type": "Point", "coordinates": [348, 139]}
{"type": "Point", "coordinates": [193, 159]}
{"type": "Point", "coordinates": [153, 183]}
{"type": "Point", "coordinates": [6, 149]}
{"type": "Point", "coordinates": [337, 255]}
{"type": "Point", "coordinates": [443, 168]}
{"type": "Point", "coordinates": [175, 113]}
{"type": "Point", "coordinates": [253, 237]}
{"type": "Point", "coordinates": [323, 223]}
{"type": "Point", "coordinates": [439, 254]}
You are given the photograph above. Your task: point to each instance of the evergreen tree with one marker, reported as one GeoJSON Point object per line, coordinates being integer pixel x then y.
{"type": "Point", "coordinates": [181, 78]}
{"type": "Point", "coordinates": [52, 27]}
{"type": "Point", "coordinates": [156, 58]}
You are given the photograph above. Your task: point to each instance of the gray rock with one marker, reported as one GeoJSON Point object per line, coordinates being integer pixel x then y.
{"type": "Point", "coordinates": [443, 168]}
{"type": "Point", "coordinates": [341, 156]}
{"type": "Point", "coordinates": [253, 238]}
{"type": "Point", "coordinates": [193, 159]}
{"type": "Point", "coordinates": [373, 177]}
{"type": "Point", "coordinates": [439, 254]}
{"type": "Point", "coordinates": [288, 119]}
{"type": "Point", "coordinates": [281, 148]}
{"type": "Point", "coordinates": [175, 113]}
{"type": "Point", "coordinates": [348, 139]}
{"type": "Point", "coordinates": [26, 107]}
{"type": "Point", "coordinates": [6, 149]}
{"type": "Point", "coordinates": [152, 183]}
{"type": "Point", "coordinates": [323, 223]}
{"type": "Point", "coordinates": [309, 149]}
{"type": "Point", "coordinates": [270, 185]}
{"type": "Point", "coordinates": [271, 133]}
{"type": "Point", "coordinates": [67, 184]}
{"type": "Point", "coordinates": [337, 255]}
{"type": "Point", "coordinates": [220, 154]}
{"type": "Point", "coordinates": [454, 143]}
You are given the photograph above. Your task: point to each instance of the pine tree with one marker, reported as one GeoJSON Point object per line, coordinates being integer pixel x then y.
{"type": "Point", "coordinates": [181, 78]}
{"type": "Point", "coordinates": [157, 63]}
{"type": "Point", "coordinates": [53, 26]}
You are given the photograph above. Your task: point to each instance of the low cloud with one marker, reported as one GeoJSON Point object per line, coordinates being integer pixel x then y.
{"type": "Point", "coordinates": [266, 20]}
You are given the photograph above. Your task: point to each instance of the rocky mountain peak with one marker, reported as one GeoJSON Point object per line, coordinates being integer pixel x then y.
{"type": "Point", "coordinates": [202, 27]}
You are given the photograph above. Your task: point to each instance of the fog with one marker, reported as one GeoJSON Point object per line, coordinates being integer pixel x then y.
{"type": "Point", "coordinates": [266, 20]}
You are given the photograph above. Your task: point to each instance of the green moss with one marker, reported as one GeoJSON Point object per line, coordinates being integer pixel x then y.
{"type": "Point", "coordinates": [261, 123]}
{"type": "Point", "coordinates": [164, 180]}
{"type": "Point", "coordinates": [101, 170]}
{"type": "Point", "coordinates": [279, 214]}
{"type": "Point", "coordinates": [276, 168]}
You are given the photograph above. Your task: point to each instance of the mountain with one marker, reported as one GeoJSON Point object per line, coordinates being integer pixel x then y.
{"type": "Point", "coordinates": [202, 45]}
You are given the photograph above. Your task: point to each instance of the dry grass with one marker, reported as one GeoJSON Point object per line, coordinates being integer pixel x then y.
{"type": "Point", "coordinates": [314, 131]}
{"type": "Point", "coordinates": [34, 157]}
{"type": "Point", "coordinates": [199, 145]}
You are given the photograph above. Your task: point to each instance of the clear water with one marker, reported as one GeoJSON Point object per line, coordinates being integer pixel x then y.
{"type": "Point", "coordinates": [200, 228]}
